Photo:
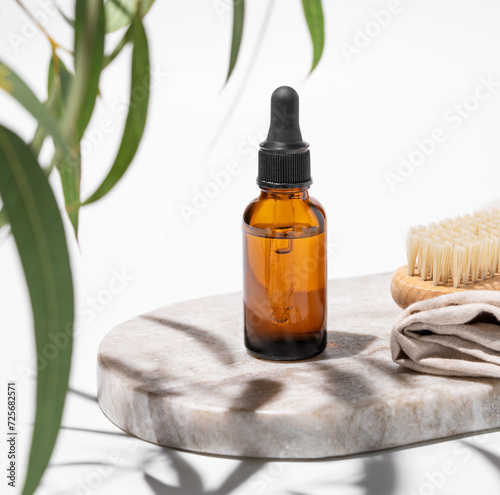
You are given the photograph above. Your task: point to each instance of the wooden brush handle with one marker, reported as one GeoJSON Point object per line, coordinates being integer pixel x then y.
{"type": "Point", "coordinates": [406, 289]}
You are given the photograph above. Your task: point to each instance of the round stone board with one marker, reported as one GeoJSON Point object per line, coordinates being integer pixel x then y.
{"type": "Point", "coordinates": [180, 377]}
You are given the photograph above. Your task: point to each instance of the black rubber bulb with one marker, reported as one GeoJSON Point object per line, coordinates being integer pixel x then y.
{"type": "Point", "coordinates": [284, 128]}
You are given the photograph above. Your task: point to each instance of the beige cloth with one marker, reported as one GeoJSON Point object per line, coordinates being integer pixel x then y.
{"type": "Point", "coordinates": [456, 334]}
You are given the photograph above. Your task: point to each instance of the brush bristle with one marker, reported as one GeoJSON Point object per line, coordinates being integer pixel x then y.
{"type": "Point", "coordinates": [458, 250]}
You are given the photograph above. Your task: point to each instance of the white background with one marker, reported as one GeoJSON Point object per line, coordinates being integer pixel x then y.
{"type": "Point", "coordinates": [361, 114]}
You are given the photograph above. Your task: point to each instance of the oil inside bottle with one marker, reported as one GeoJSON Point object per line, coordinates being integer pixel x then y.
{"type": "Point", "coordinates": [285, 291]}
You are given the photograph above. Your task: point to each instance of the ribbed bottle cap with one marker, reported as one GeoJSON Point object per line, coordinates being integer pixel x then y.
{"type": "Point", "coordinates": [284, 158]}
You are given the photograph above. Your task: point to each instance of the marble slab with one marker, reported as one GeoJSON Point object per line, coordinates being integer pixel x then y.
{"type": "Point", "coordinates": [181, 377]}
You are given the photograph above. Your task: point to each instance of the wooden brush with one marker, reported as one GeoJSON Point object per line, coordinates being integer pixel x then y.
{"type": "Point", "coordinates": [456, 254]}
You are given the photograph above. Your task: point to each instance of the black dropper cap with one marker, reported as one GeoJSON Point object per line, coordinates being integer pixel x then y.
{"type": "Point", "coordinates": [284, 158]}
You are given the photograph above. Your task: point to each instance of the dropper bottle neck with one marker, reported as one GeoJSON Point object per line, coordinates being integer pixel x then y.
{"type": "Point", "coordinates": [292, 193]}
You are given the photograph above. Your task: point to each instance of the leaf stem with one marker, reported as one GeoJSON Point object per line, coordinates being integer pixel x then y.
{"type": "Point", "coordinates": [53, 43]}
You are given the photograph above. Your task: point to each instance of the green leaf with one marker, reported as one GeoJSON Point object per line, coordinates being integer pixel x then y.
{"type": "Point", "coordinates": [70, 170]}
{"type": "Point", "coordinates": [137, 112]}
{"type": "Point", "coordinates": [313, 12]}
{"type": "Point", "coordinates": [68, 163]}
{"type": "Point", "coordinates": [57, 88]}
{"type": "Point", "coordinates": [89, 51]}
{"type": "Point", "coordinates": [17, 88]}
{"type": "Point", "coordinates": [38, 140]}
{"type": "Point", "coordinates": [120, 13]}
{"type": "Point", "coordinates": [4, 220]}
{"type": "Point", "coordinates": [238, 20]}
{"type": "Point", "coordinates": [118, 48]}
{"type": "Point", "coordinates": [38, 231]}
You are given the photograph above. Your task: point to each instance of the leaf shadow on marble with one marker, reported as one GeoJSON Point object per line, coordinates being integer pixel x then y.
{"type": "Point", "coordinates": [343, 344]}
{"type": "Point", "coordinates": [348, 386]}
{"type": "Point", "coordinates": [156, 382]}
{"type": "Point", "coordinates": [256, 393]}
{"type": "Point", "coordinates": [215, 344]}
{"type": "Point", "coordinates": [403, 376]}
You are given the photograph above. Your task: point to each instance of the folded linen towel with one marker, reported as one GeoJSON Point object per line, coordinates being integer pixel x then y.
{"type": "Point", "coordinates": [455, 334]}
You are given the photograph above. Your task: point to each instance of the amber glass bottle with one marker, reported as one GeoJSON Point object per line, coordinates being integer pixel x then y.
{"type": "Point", "coordinates": [284, 246]}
